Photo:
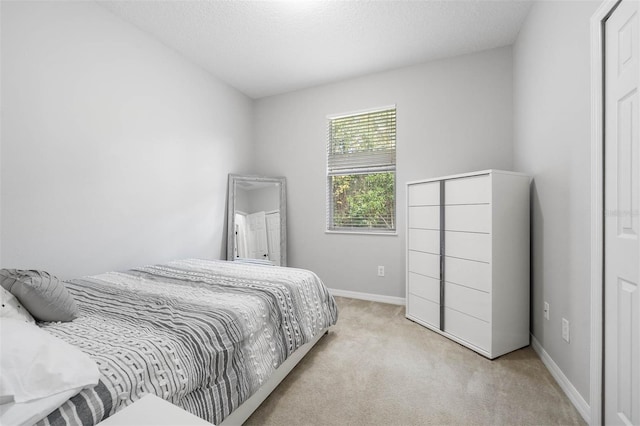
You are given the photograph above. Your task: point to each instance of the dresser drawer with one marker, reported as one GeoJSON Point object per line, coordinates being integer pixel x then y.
{"type": "Point", "coordinates": [469, 190]}
{"type": "Point", "coordinates": [424, 194]}
{"type": "Point", "coordinates": [425, 287]}
{"type": "Point", "coordinates": [467, 328]}
{"type": "Point", "coordinates": [467, 300]}
{"type": "Point", "coordinates": [426, 240]}
{"type": "Point", "coordinates": [468, 273]}
{"type": "Point", "coordinates": [468, 245]}
{"type": "Point", "coordinates": [424, 310]}
{"type": "Point", "coordinates": [424, 217]}
{"type": "Point", "coordinates": [471, 218]}
{"type": "Point", "coordinates": [424, 264]}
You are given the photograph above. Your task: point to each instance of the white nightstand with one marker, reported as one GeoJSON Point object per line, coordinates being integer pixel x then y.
{"type": "Point", "coordinates": [153, 411]}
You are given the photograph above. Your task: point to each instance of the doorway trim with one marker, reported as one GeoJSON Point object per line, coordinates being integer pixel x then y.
{"type": "Point", "coordinates": [597, 207]}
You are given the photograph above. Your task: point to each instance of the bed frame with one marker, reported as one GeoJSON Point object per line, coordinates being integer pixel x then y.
{"type": "Point", "coordinates": [244, 411]}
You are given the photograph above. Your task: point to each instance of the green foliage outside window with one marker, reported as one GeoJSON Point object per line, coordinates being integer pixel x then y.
{"type": "Point", "coordinates": [364, 200]}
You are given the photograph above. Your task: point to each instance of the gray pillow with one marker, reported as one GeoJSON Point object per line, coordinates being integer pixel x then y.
{"type": "Point", "coordinates": [44, 295]}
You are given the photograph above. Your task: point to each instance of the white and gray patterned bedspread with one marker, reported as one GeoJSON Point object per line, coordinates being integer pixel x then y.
{"type": "Point", "coordinates": [201, 334]}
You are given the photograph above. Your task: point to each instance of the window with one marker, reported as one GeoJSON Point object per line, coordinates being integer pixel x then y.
{"type": "Point", "coordinates": [361, 172]}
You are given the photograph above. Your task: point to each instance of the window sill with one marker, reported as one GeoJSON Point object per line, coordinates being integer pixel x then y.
{"type": "Point", "coordinates": [390, 233]}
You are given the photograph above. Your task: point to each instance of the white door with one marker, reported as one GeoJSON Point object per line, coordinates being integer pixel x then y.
{"type": "Point", "coordinates": [273, 237]}
{"type": "Point", "coordinates": [241, 236]}
{"type": "Point", "coordinates": [622, 190]}
{"type": "Point", "coordinates": [257, 236]}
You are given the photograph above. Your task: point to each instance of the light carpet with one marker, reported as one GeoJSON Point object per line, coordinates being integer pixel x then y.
{"type": "Point", "coordinates": [375, 367]}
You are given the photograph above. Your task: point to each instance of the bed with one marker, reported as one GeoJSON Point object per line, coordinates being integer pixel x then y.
{"type": "Point", "coordinates": [204, 335]}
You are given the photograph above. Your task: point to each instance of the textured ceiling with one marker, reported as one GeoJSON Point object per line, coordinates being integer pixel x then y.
{"type": "Point", "coordinates": [264, 48]}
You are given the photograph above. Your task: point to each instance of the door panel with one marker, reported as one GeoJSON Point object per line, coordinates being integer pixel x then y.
{"type": "Point", "coordinates": [241, 247]}
{"type": "Point", "coordinates": [628, 180]}
{"type": "Point", "coordinates": [627, 347]}
{"type": "Point", "coordinates": [621, 194]}
{"type": "Point", "coordinates": [257, 236]}
{"type": "Point", "coordinates": [273, 237]}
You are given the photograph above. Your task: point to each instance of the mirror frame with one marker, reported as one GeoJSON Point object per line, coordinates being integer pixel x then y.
{"type": "Point", "coordinates": [231, 209]}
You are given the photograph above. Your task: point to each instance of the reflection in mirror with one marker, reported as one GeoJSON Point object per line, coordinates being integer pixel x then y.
{"type": "Point", "coordinates": [256, 220]}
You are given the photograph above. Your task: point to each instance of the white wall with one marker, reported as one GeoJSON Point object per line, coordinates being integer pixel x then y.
{"type": "Point", "coordinates": [552, 143]}
{"type": "Point", "coordinates": [453, 116]}
{"type": "Point", "coordinates": [249, 200]}
{"type": "Point", "coordinates": [265, 199]}
{"type": "Point", "coordinates": [115, 150]}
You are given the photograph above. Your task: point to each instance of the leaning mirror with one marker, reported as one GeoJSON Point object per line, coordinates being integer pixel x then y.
{"type": "Point", "coordinates": [257, 219]}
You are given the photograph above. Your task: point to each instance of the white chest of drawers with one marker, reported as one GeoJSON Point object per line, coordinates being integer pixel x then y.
{"type": "Point", "coordinates": [468, 259]}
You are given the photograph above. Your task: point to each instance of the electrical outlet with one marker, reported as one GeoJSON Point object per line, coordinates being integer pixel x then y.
{"type": "Point", "coordinates": [546, 310]}
{"type": "Point", "coordinates": [565, 329]}
{"type": "Point", "coordinates": [381, 271]}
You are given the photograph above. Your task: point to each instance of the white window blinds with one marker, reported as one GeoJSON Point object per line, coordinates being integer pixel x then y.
{"type": "Point", "coordinates": [361, 163]}
{"type": "Point", "coordinates": [362, 143]}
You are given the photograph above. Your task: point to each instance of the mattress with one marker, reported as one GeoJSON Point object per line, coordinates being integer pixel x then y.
{"type": "Point", "coordinates": [204, 335]}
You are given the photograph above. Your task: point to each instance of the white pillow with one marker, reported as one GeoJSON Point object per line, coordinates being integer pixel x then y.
{"type": "Point", "coordinates": [36, 364]}
{"type": "Point", "coordinates": [11, 307]}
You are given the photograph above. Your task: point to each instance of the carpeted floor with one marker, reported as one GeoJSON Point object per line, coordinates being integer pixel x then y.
{"type": "Point", "coordinates": [375, 367]}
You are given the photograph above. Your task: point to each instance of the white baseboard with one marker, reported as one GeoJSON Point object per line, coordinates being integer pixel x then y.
{"type": "Point", "coordinates": [574, 396]}
{"type": "Point", "coordinates": [368, 296]}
